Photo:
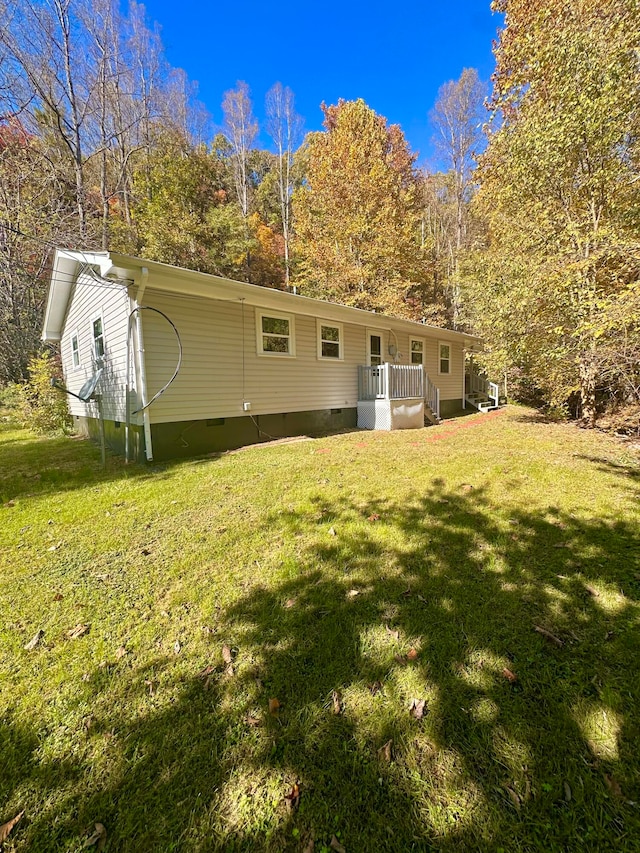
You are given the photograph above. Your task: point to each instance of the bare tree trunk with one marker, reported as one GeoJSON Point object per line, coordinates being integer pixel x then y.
{"type": "Point", "coordinates": [588, 377]}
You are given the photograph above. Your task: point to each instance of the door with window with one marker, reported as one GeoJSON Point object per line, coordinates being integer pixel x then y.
{"type": "Point", "coordinates": [374, 349]}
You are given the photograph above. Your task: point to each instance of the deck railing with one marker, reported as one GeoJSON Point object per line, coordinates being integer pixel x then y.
{"type": "Point", "coordinates": [477, 384]}
{"type": "Point", "coordinates": [390, 382]}
{"type": "Point", "coordinates": [432, 396]}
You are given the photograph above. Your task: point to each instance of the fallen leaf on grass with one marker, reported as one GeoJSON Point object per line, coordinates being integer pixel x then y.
{"type": "Point", "coordinates": [10, 503]}
{"type": "Point", "coordinates": [289, 603]}
{"type": "Point", "coordinates": [393, 632]}
{"type": "Point", "coordinates": [33, 642]}
{"type": "Point", "coordinates": [412, 654]}
{"type": "Point", "coordinates": [373, 517]}
{"type": "Point", "coordinates": [274, 706]}
{"type": "Point", "coordinates": [592, 591]}
{"type": "Point", "coordinates": [466, 487]}
{"type": "Point", "coordinates": [336, 698]}
{"type": "Point", "coordinates": [292, 799]}
{"type": "Point", "coordinates": [375, 688]}
{"type": "Point", "coordinates": [58, 596]}
{"type": "Point", "coordinates": [97, 838]}
{"type": "Point", "coordinates": [151, 686]}
{"type": "Point", "coordinates": [548, 635]}
{"type": "Point", "coordinates": [417, 708]}
{"type": "Point", "coordinates": [79, 631]}
{"type": "Point", "coordinates": [120, 653]}
{"type": "Point", "coordinates": [227, 656]}
{"type": "Point", "coordinates": [253, 722]}
{"type": "Point", "coordinates": [332, 531]}
{"type": "Point", "coordinates": [334, 844]}
{"type": "Point", "coordinates": [513, 796]}
{"type": "Point", "coordinates": [6, 828]}
{"type": "Point", "coordinates": [176, 647]}
{"type": "Point", "coordinates": [384, 753]}
{"type": "Point", "coordinates": [613, 785]}
{"type": "Point", "coordinates": [510, 676]}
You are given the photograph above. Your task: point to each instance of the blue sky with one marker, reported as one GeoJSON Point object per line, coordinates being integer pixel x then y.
{"type": "Point", "coordinates": [394, 55]}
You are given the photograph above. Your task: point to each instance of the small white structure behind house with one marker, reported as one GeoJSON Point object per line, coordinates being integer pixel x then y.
{"type": "Point", "coordinates": [255, 362]}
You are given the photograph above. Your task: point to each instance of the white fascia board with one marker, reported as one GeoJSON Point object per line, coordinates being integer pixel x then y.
{"type": "Point", "coordinates": [177, 280]}
{"type": "Point", "coordinates": [66, 266]}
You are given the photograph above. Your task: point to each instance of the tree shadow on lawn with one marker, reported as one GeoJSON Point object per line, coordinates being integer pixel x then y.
{"type": "Point", "coordinates": [545, 762]}
{"type": "Point", "coordinates": [35, 468]}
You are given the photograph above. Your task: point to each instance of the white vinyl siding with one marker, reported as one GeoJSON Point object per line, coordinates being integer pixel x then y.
{"type": "Point", "coordinates": [212, 383]}
{"type": "Point", "coordinates": [330, 340]}
{"type": "Point", "coordinates": [90, 300]}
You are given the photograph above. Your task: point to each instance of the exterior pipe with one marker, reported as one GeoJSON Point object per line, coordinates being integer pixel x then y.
{"type": "Point", "coordinates": [141, 366]}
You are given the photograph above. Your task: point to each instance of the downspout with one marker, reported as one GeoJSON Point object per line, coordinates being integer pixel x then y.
{"type": "Point", "coordinates": [464, 378]}
{"type": "Point", "coordinates": [144, 276]}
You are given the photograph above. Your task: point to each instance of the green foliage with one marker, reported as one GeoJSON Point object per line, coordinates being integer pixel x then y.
{"type": "Point", "coordinates": [556, 287]}
{"type": "Point", "coordinates": [358, 215]}
{"type": "Point", "coordinates": [43, 408]}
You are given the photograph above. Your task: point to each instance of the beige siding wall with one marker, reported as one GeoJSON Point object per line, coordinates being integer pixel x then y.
{"type": "Point", "coordinates": [221, 367]}
{"type": "Point", "coordinates": [89, 300]}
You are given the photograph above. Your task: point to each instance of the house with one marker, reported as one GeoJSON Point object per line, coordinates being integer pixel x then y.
{"type": "Point", "coordinates": [174, 362]}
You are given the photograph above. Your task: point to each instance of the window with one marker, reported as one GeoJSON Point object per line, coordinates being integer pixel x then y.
{"type": "Point", "coordinates": [98, 338]}
{"type": "Point", "coordinates": [329, 340]}
{"type": "Point", "coordinates": [445, 358]}
{"type": "Point", "coordinates": [275, 334]}
{"type": "Point", "coordinates": [75, 350]}
{"type": "Point", "coordinates": [375, 348]}
{"type": "Point", "coordinates": [417, 351]}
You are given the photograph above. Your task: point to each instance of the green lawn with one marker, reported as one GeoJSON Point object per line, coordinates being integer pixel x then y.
{"type": "Point", "coordinates": [393, 568]}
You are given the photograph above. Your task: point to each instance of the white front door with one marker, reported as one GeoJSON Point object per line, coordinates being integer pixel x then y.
{"type": "Point", "coordinates": [374, 348]}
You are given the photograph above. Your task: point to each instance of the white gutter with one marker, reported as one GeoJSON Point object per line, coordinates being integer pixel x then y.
{"type": "Point", "coordinates": [148, 448]}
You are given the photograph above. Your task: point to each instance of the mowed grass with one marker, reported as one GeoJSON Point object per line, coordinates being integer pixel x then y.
{"type": "Point", "coordinates": [391, 568]}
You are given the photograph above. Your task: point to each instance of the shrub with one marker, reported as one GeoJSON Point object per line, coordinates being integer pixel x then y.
{"type": "Point", "coordinates": [43, 408]}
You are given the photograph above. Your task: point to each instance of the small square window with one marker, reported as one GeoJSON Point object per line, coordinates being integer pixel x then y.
{"type": "Point", "coordinates": [275, 334]}
{"type": "Point", "coordinates": [445, 358]}
{"type": "Point", "coordinates": [329, 340]}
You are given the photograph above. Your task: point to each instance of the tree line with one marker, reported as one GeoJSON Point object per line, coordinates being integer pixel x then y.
{"type": "Point", "coordinates": [528, 234]}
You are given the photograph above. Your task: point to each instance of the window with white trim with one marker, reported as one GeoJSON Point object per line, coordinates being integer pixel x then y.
{"type": "Point", "coordinates": [416, 350]}
{"type": "Point", "coordinates": [275, 334]}
{"type": "Point", "coordinates": [444, 358]}
{"type": "Point", "coordinates": [97, 331]}
{"type": "Point", "coordinates": [75, 350]}
{"type": "Point", "coordinates": [329, 340]}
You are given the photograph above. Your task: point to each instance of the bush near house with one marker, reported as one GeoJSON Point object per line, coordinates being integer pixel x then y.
{"type": "Point", "coordinates": [42, 407]}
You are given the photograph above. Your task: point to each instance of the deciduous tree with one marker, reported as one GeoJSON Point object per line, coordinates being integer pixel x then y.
{"type": "Point", "coordinates": [560, 191]}
{"type": "Point", "coordinates": [357, 215]}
